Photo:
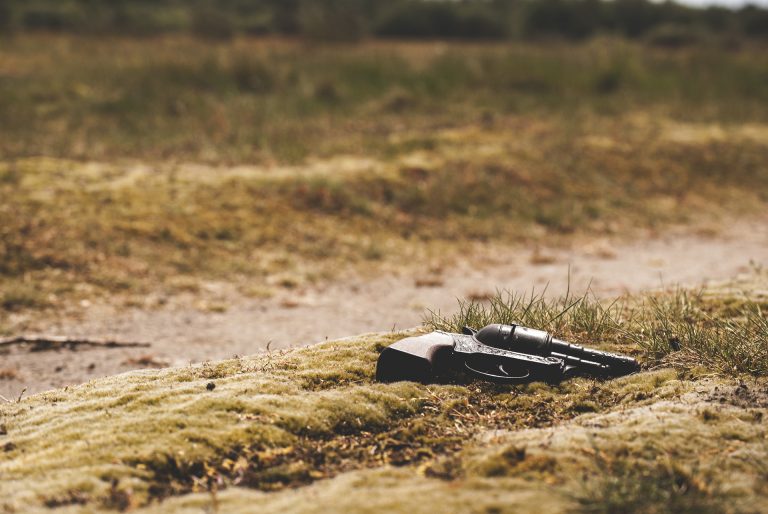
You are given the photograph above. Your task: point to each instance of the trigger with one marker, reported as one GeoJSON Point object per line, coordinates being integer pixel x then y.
{"type": "Point", "coordinates": [468, 331]}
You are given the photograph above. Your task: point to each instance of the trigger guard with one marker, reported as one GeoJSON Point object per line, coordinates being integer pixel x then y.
{"type": "Point", "coordinates": [505, 379]}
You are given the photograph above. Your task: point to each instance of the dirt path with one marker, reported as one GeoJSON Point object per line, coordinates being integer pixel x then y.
{"type": "Point", "coordinates": [183, 335]}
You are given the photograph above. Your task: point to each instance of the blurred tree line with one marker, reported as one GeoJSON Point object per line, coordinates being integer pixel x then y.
{"type": "Point", "coordinates": [353, 19]}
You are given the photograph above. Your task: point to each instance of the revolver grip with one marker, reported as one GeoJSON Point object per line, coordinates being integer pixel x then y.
{"type": "Point", "coordinates": [416, 359]}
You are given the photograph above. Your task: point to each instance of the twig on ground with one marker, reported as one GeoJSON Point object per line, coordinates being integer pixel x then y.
{"type": "Point", "coordinates": [43, 343]}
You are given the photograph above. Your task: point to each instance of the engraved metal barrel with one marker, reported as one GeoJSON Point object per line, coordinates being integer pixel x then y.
{"type": "Point", "coordinates": [538, 342]}
{"type": "Point", "coordinates": [617, 364]}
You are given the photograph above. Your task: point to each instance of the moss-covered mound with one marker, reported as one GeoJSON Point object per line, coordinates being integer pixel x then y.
{"type": "Point", "coordinates": [682, 455]}
{"type": "Point", "coordinates": [309, 430]}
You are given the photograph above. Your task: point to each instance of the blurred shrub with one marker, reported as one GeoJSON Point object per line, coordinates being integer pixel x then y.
{"type": "Point", "coordinates": [633, 18]}
{"type": "Point", "coordinates": [440, 19]}
{"type": "Point", "coordinates": [7, 21]}
{"type": "Point", "coordinates": [565, 18]}
{"type": "Point", "coordinates": [53, 19]}
{"type": "Point", "coordinates": [252, 75]}
{"type": "Point", "coordinates": [332, 20]}
{"type": "Point", "coordinates": [210, 22]}
{"type": "Point", "coordinates": [674, 36]}
{"type": "Point", "coordinates": [349, 20]}
{"type": "Point", "coordinates": [283, 15]}
{"type": "Point", "coordinates": [326, 91]}
{"type": "Point", "coordinates": [137, 19]}
{"type": "Point", "coordinates": [717, 18]}
{"type": "Point", "coordinates": [754, 21]}
{"type": "Point", "coordinates": [609, 81]}
{"type": "Point", "coordinates": [399, 100]}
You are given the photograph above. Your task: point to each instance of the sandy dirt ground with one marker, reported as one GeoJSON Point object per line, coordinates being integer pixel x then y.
{"type": "Point", "coordinates": [180, 335]}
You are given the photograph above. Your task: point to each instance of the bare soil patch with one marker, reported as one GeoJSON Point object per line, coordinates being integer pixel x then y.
{"type": "Point", "coordinates": [182, 331]}
{"type": "Point", "coordinates": [743, 395]}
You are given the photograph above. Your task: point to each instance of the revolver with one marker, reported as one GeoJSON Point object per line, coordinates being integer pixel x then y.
{"type": "Point", "coordinates": [500, 353]}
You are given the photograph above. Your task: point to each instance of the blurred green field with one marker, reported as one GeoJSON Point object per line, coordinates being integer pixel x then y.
{"type": "Point", "coordinates": [270, 100]}
{"type": "Point", "coordinates": [130, 165]}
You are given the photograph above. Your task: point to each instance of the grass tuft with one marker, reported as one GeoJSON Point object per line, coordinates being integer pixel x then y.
{"type": "Point", "coordinates": [679, 330]}
{"type": "Point", "coordinates": [685, 329]}
{"type": "Point", "coordinates": [582, 318]}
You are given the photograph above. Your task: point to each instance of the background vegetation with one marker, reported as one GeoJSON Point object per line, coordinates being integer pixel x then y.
{"type": "Point", "coordinates": [128, 163]}
{"type": "Point", "coordinates": [666, 23]}
{"type": "Point", "coordinates": [263, 100]}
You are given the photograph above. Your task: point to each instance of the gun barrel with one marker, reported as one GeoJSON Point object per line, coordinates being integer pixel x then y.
{"type": "Point", "coordinates": [538, 342]}
{"type": "Point", "coordinates": [618, 364]}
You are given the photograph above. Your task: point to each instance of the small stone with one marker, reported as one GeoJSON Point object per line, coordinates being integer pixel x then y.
{"type": "Point", "coordinates": [9, 447]}
{"type": "Point", "coordinates": [3, 429]}
{"type": "Point", "coordinates": [210, 386]}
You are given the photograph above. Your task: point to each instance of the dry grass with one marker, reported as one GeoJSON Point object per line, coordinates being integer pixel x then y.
{"type": "Point", "coordinates": [102, 190]}
{"type": "Point", "coordinates": [690, 330]}
{"type": "Point", "coordinates": [121, 229]}
{"type": "Point", "coordinates": [264, 100]}
{"type": "Point", "coordinates": [575, 318]}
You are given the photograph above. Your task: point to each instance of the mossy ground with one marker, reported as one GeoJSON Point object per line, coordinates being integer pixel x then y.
{"type": "Point", "coordinates": [308, 430]}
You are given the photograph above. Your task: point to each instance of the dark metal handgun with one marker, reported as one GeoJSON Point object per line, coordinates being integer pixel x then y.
{"type": "Point", "coordinates": [500, 353]}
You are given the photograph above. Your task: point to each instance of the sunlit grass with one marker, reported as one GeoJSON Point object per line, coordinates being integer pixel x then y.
{"type": "Point", "coordinates": [681, 328]}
